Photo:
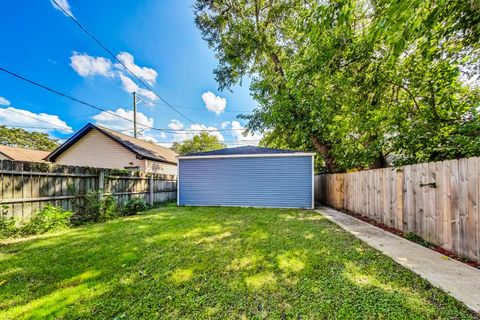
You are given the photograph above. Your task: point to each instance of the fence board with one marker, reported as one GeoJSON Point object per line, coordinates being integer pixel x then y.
{"type": "Point", "coordinates": [399, 215]}
{"type": "Point", "coordinates": [463, 200]}
{"type": "Point", "coordinates": [27, 187]}
{"type": "Point", "coordinates": [471, 221]}
{"type": "Point", "coordinates": [438, 201]}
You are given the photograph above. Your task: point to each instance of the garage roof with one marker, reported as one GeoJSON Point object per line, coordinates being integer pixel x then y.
{"type": "Point", "coordinates": [244, 151]}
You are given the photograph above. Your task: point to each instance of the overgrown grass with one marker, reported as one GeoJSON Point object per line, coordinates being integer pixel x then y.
{"type": "Point", "coordinates": [211, 263]}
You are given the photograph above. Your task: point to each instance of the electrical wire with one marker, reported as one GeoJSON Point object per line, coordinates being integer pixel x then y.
{"type": "Point", "coordinates": [198, 109]}
{"type": "Point", "coordinates": [241, 141]}
{"type": "Point", "coordinates": [148, 87]}
{"type": "Point", "coordinates": [34, 118]}
{"type": "Point", "coordinates": [45, 87]}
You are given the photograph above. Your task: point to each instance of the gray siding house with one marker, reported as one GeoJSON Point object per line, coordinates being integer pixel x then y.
{"type": "Point", "coordinates": [246, 176]}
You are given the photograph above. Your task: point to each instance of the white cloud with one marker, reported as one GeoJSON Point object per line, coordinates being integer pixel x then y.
{"type": "Point", "coordinates": [113, 121]}
{"type": "Point", "coordinates": [42, 121]}
{"type": "Point", "coordinates": [249, 139]}
{"type": "Point", "coordinates": [88, 66]}
{"type": "Point", "coordinates": [194, 129]}
{"type": "Point", "coordinates": [130, 86]}
{"type": "Point", "coordinates": [175, 125]}
{"type": "Point", "coordinates": [214, 103]}
{"type": "Point", "coordinates": [64, 4]}
{"type": "Point", "coordinates": [144, 73]}
{"type": "Point", "coordinates": [225, 124]}
{"type": "Point", "coordinates": [4, 101]}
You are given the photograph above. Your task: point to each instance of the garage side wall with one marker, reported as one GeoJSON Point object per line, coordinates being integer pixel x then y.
{"type": "Point", "coordinates": [283, 182]}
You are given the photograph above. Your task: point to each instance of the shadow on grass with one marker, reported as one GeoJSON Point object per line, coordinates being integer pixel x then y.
{"type": "Point", "coordinates": [211, 263]}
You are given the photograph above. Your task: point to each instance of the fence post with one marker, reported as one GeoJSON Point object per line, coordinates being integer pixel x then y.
{"type": "Point", "coordinates": [101, 183]}
{"type": "Point", "coordinates": [150, 189]}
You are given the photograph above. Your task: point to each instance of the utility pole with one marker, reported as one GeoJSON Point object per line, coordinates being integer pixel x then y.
{"type": "Point", "coordinates": [134, 114]}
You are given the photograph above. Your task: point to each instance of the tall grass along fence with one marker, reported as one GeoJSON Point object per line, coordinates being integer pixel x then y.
{"type": "Point", "coordinates": [438, 201]}
{"type": "Point", "coordinates": [26, 187]}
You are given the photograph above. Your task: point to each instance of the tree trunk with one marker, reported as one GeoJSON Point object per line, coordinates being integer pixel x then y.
{"type": "Point", "coordinates": [379, 162]}
{"type": "Point", "coordinates": [325, 150]}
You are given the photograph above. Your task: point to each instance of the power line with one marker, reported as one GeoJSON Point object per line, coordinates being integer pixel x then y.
{"type": "Point", "coordinates": [172, 141]}
{"type": "Point", "coordinates": [196, 108]}
{"type": "Point", "coordinates": [45, 87]}
{"type": "Point", "coordinates": [34, 118]}
{"type": "Point", "coordinates": [118, 60]}
{"type": "Point", "coordinates": [60, 93]}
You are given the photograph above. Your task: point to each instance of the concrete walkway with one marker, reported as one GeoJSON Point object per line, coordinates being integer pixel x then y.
{"type": "Point", "coordinates": [457, 279]}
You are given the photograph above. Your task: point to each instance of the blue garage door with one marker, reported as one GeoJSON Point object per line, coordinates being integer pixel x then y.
{"type": "Point", "coordinates": [284, 182]}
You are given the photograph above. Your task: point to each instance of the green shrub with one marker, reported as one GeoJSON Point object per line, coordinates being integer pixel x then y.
{"type": "Point", "coordinates": [48, 219]}
{"type": "Point", "coordinates": [134, 206]}
{"type": "Point", "coordinates": [8, 227]}
{"type": "Point", "coordinates": [119, 172]}
{"type": "Point", "coordinates": [95, 208]}
{"type": "Point", "coordinates": [109, 207]}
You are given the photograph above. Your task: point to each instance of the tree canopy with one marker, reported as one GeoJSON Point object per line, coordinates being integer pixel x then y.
{"type": "Point", "coordinates": [363, 83]}
{"type": "Point", "coordinates": [18, 137]}
{"type": "Point", "coordinates": [198, 143]}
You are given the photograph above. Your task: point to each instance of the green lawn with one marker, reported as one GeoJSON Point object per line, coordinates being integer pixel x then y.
{"type": "Point", "coordinates": [211, 263]}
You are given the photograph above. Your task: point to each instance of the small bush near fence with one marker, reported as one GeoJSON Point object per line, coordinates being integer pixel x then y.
{"type": "Point", "coordinates": [135, 205]}
{"type": "Point", "coordinates": [94, 207]}
{"type": "Point", "coordinates": [7, 225]}
{"type": "Point", "coordinates": [51, 218]}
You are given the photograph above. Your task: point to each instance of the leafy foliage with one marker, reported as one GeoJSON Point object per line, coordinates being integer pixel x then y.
{"type": "Point", "coordinates": [122, 172]}
{"type": "Point", "coordinates": [89, 209]}
{"type": "Point", "coordinates": [48, 219]}
{"type": "Point", "coordinates": [7, 225]}
{"type": "Point", "coordinates": [360, 82]}
{"type": "Point", "coordinates": [134, 206]}
{"type": "Point", "coordinates": [95, 208]}
{"type": "Point", "coordinates": [201, 142]}
{"type": "Point", "coordinates": [25, 139]}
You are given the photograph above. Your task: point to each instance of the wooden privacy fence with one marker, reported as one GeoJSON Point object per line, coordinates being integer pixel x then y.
{"type": "Point", "coordinates": [26, 187]}
{"type": "Point", "coordinates": [437, 201]}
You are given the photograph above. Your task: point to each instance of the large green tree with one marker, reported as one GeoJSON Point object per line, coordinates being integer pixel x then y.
{"type": "Point", "coordinates": [357, 81]}
{"type": "Point", "coordinates": [26, 139]}
{"type": "Point", "coordinates": [198, 143]}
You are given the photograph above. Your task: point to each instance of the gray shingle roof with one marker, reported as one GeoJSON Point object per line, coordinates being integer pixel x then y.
{"type": "Point", "coordinates": [143, 148]}
{"type": "Point", "coordinates": [243, 150]}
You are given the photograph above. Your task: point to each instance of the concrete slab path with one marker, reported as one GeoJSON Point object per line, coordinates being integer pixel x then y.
{"type": "Point", "coordinates": [457, 279]}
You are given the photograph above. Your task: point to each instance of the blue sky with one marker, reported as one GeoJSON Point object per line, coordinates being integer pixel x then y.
{"type": "Point", "coordinates": [158, 40]}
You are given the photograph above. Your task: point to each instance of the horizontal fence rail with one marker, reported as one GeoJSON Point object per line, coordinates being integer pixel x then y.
{"type": "Point", "coordinates": [438, 201]}
{"type": "Point", "coordinates": [27, 187]}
